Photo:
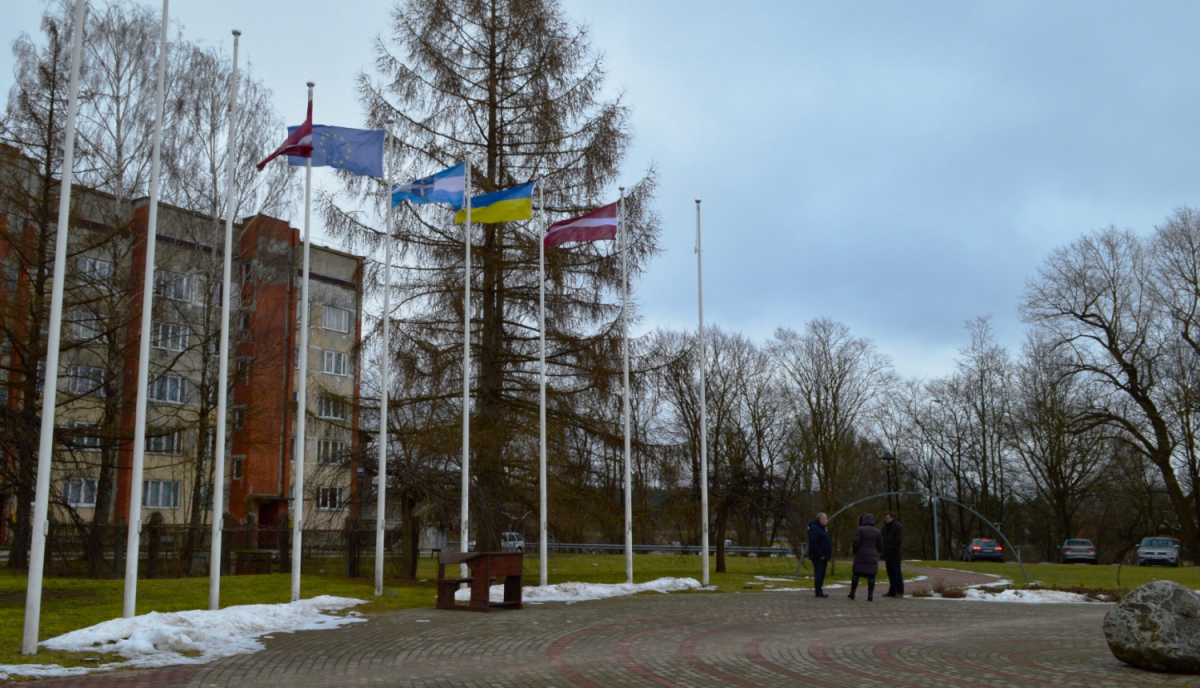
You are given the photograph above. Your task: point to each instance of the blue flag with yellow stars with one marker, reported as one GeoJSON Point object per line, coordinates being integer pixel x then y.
{"type": "Point", "coordinates": [359, 151]}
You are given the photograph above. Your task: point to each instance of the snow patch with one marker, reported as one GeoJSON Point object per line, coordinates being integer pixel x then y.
{"type": "Point", "coordinates": [1022, 596]}
{"type": "Point", "coordinates": [158, 639]}
{"type": "Point", "coordinates": [579, 592]}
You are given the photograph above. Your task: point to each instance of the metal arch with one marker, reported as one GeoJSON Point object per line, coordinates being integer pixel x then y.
{"type": "Point", "coordinates": [991, 525]}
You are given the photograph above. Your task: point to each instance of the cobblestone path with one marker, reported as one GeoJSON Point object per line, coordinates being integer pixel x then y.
{"type": "Point", "coordinates": [750, 639]}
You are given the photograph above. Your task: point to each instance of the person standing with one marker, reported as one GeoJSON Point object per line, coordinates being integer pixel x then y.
{"type": "Point", "coordinates": [867, 544]}
{"type": "Point", "coordinates": [820, 550]}
{"type": "Point", "coordinates": [893, 554]}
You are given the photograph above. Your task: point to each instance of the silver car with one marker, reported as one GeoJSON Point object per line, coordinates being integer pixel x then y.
{"type": "Point", "coordinates": [512, 542]}
{"type": "Point", "coordinates": [1158, 550]}
{"type": "Point", "coordinates": [1077, 550]}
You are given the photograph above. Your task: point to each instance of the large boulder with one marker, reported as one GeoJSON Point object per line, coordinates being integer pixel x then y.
{"type": "Point", "coordinates": [1157, 627]}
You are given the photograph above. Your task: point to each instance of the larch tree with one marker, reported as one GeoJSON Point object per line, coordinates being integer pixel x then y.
{"type": "Point", "coordinates": [516, 88]}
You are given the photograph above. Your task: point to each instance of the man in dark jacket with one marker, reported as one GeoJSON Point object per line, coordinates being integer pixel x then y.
{"type": "Point", "coordinates": [820, 550]}
{"type": "Point", "coordinates": [893, 553]}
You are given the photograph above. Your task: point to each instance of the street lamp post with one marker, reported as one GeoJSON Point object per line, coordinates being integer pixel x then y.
{"type": "Point", "coordinates": [888, 460]}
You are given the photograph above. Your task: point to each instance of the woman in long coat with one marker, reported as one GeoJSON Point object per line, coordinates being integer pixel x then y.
{"type": "Point", "coordinates": [867, 545]}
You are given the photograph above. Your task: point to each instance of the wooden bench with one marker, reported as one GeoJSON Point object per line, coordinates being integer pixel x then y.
{"type": "Point", "coordinates": [484, 567]}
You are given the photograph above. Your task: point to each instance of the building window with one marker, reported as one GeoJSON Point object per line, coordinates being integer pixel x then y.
{"type": "Point", "coordinates": [169, 389]}
{"type": "Point", "coordinates": [170, 443]}
{"type": "Point", "coordinates": [239, 418]}
{"type": "Point", "coordinates": [244, 321]}
{"type": "Point", "coordinates": [82, 435]}
{"type": "Point", "coordinates": [80, 492]}
{"type": "Point", "coordinates": [329, 451]}
{"type": "Point", "coordinates": [329, 498]}
{"type": "Point", "coordinates": [10, 275]}
{"type": "Point", "coordinates": [334, 363]}
{"type": "Point", "coordinates": [85, 325]}
{"type": "Point", "coordinates": [236, 467]}
{"type": "Point", "coordinates": [41, 376]}
{"type": "Point", "coordinates": [160, 494]}
{"type": "Point", "coordinates": [87, 381]}
{"type": "Point", "coordinates": [172, 285]}
{"type": "Point", "coordinates": [330, 407]}
{"type": "Point", "coordinates": [336, 319]}
{"type": "Point", "coordinates": [169, 336]}
{"type": "Point", "coordinates": [95, 270]}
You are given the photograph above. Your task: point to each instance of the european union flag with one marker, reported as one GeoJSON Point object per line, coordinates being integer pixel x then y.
{"type": "Point", "coordinates": [359, 151]}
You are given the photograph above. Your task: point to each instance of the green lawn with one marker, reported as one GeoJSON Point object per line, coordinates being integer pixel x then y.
{"type": "Point", "coordinates": [1078, 575]}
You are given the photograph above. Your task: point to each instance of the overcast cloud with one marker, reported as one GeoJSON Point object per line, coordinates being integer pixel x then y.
{"type": "Point", "coordinates": [898, 167]}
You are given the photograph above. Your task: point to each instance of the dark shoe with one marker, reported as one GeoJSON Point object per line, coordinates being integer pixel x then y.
{"type": "Point", "coordinates": [898, 596]}
{"type": "Point", "coordinates": [870, 598]}
{"type": "Point", "coordinates": [888, 594]}
{"type": "Point", "coordinates": [821, 594]}
{"type": "Point", "coordinates": [851, 595]}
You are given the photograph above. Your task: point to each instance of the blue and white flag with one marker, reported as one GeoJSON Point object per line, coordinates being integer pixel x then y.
{"type": "Point", "coordinates": [355, 150]}
{"type": "Point", "coordinates": [447, 186]}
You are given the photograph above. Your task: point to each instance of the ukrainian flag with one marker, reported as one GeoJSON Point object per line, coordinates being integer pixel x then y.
{"type": "Point", "coordinates": [500, 206]}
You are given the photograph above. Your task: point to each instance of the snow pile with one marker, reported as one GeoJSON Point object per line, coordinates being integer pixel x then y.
{"type": "Point", "coordinates": [1023, 596]}
{"type": "Point", "coordinates": [158, 639]}
{"type": "Point", "coordinates": [579, 592]}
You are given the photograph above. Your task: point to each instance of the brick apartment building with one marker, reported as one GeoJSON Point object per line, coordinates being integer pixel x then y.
{"type": "Point", "coordinates": [98, 367]}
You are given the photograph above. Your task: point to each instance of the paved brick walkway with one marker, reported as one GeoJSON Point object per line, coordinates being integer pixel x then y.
{"type": "Point", "coordinates": [750, 639]}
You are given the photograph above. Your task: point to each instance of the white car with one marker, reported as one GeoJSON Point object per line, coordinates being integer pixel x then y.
{"type": "Point", "coordinates": [1158, 550]}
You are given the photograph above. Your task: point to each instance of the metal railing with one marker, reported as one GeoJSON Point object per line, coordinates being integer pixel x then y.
{"type": "Point", "coordinates": [531, 546]}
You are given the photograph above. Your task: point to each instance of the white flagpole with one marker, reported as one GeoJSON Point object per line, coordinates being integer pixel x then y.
{"type": "Point", "coordinates": [301, 442]}
{"type": "Point", "coordinates": [703, 410]}
{"type": "Point", "coordinates": [218, 485]}
{"type": "Point", "coordinates": [381, 487]}
{"type": "Point", "coordinates": [41, 501]}
{"type": "Point", "coordinates": [465, 529]}
{"type": "Point", "coordinates": [542, 564]}
{"type": "Point", "coordinates": [625, 331]}
{"type": "Point", "coordinates": [139, 423]}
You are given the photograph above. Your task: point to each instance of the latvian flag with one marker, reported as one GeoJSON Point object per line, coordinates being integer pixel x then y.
{"type": "Point", "coordinates": [298, 144]}
{"type": "Point", "coordinates": [599, 224]}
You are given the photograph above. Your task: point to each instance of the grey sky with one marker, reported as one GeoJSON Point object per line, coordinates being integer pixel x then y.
{"type": "Point", "coordinates": [898, 167]}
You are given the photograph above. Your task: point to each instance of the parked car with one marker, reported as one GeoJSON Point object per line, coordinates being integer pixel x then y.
{"type": "Point", "coordinates": [981, 549]}
{"type": "Point", "coordinates": [1077, 550]}
{"type": "Point", "coordinates": [1158, 550]}
{"type": "Point", "coordinates": [512, 542]}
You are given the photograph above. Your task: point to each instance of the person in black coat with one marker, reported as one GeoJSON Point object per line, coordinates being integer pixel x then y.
{"type": "Point", "coordinates": [820, 551]}
{"type": "Point", "coordinates": [893, 554]}
{"type": "Point", "coordinates": [867, 544]}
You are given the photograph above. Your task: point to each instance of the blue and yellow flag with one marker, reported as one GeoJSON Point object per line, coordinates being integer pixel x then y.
{"type": "Point", "coordinates": [500, 206]}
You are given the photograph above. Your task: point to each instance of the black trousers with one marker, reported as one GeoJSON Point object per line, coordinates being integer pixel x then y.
{"type": "Point", "coordinates": [819, 575]}
{"type": "Point", "coordinates": [895, 578]}
{"type": "Point", "coordinates": [870, 584]}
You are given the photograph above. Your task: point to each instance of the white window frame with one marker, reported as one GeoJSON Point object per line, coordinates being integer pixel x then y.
{"type": "Point", "coordinates": [170, 443]}
{"type": "Point", "coordinates": [175, 286]}
{"type": "Point", "coordinates": [95, 378]}
{"type": "Point", "coordinates": [168, 389]}
{"type": "Point", "coordinates": [328, 451]}
{"type": "Point", "coordinates": [84, 325]}
{"type": "Point", "coordinates": [237, 467]}
{"type": "Point", "coordinates": [154, 496]}
{"type": "Point", "coordinates": [75, 492]}
{"type": "Point", "coordinates": [89, 442]}
{"type": "Point", "coordinates": [329, 498]}
{"type": "Point", "coordinates": [95, 269]}
{"type": "Point", "coordinates": [335, 363]}
{"type": "Point", "coordinates": [335, 319]}
{"type": "Point", "coordinates": [328, 407]}
{"type": "Point", "coordinates": [167, 336]}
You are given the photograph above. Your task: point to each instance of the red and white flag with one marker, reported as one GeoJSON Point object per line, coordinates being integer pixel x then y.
{"type": "Point", "coordinates": [298, 143]}
{"type": "Point", "coordinates": [599, 224]}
